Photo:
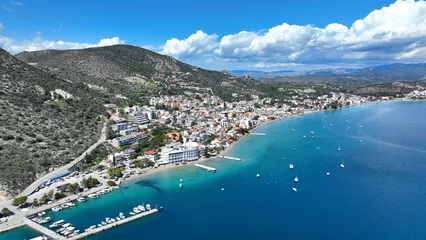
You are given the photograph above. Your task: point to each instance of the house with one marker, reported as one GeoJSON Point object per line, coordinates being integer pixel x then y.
{"type": "Point", "coordinates": [152, 155]}
{"type": "Point", "coordinates": [128, 139]}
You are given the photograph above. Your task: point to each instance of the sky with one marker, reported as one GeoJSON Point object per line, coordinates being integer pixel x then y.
{"type": "Point", "coordinates": [265, 35]}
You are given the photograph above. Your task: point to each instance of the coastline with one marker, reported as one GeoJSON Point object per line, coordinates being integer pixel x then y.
{"type": "Point", "coordinates": [168, 167]}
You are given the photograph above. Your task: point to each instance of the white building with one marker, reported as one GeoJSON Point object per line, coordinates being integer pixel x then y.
{"type": "Point", "coordinates": [128, 139]}
{"type": "Point", "coordinates": [180, 153]}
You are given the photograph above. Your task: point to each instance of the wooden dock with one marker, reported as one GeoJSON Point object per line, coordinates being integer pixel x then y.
{"type": "Point", "coordinates": [43, 230]}
{"type": "Point", "coordinates": [115, 224]}
{"type": "Point", "coordinates": [209, 169]}
{"type": "Point", "coordinates": [231, 158]}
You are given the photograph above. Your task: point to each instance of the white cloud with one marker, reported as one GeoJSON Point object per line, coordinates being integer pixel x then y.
{"type": "Point", "coordinates": [197, 44]}
{"type": "Point", "coordinates": [16, 3]}
{"type": "Point", "coordinates": [6, 8]}
{"type": "Point", "coordinates": [391, 33]}
{"type": "Point", "coordinates": [38, 43]}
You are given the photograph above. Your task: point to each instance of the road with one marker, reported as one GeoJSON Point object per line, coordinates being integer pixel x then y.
{"type": "Point", "coordinates": [64, 169]}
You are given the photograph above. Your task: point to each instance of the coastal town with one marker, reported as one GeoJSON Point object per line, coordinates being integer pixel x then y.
{"type": "Point", "coordinates": [171, 131]}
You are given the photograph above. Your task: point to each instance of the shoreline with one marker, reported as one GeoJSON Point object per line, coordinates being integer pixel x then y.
{"type": "Point", "coordinates": [168, 167]}
{"type": "Point", "coordinates": [148, 172]}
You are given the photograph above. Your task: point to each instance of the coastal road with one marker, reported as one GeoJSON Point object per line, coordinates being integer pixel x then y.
{"type": "Point", "coordinates": [64, 169]}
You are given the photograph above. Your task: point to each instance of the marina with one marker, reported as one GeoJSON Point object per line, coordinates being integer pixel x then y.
{"type": "Point", "coordinates": [209, 169]}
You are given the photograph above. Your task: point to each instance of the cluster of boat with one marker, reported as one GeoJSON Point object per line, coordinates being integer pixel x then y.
{"type": "Point", "coordinates": [102, 192]}
{"type": "Point", "coordinates": [65, 229]}
{"type": "Point", "coordinates": [63, 206]}
{"type": "Point", "coordinates": [111, 220]}
{"type": "Point", "coordinates": [140, 209]}
{"type": "Point", "coordinates": [40, 220]}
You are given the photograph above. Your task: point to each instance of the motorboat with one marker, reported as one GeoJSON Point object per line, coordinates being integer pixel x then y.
{"type": "Point", "coordinates": [148, 207]}
{"type": "Point", "coordinates": [132, 213]}
{"type": "Point", "coordinates": [342, 165]}
{"type": "Point", "coordinates": [136, 210]}
{"type": "Point", "coordinates": [56, 209]}
{"type": "Point", "coordinates": [328, 173]}
{"type": "Point", "coordinates": [57, 224]}
{"type": "Point", "coordinates": [296, 179]}
{"type": "Point", "coordinates": [258, 175]}
{"type": "Point", "coordinates": [291, 166]}
{"type": "Point", "coordinates": [142, 208]}
{"type": "Point", "coordinates": [82, 199]}
{"type": "Point", "coordinates": [294, 189]}
{"type": "Point", "coordinates": [180, 185]}
{"type": "Point", "coordinates": [118, 218]}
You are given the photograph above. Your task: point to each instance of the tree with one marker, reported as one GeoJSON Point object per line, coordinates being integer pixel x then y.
{"type": "Point", "coordinates": [19, 200]}
{"type": "Point", "coordinates": [59, 195]}
{"type": "Point", "coordinates": [5, 212]}
{"type": "Point", "coordinates": [180, 138]}
{"type": "Point", "coordinates": [50, 194]}
{"type": "Point", "coordinates": [113, 160]}
{"type": "Point", "coordinates": [35, 202]}
{"type": "Point", "coordinates": [90, 182]}
{"type": "Point", "coordinates": [111, 183]}
{"type": "Point", "coordinates": [110, 172]}
{"type": "Point", "coordinates": [234, 115]}
{"type": "Point", "coordinates": [206, 153]}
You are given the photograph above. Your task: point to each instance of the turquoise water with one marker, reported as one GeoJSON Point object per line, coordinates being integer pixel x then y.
{"type": "Point", "coordinates": [20, 233]}
{"type": "Point", "coordinates": [380, 193]}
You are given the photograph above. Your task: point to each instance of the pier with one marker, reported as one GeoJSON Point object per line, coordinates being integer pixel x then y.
{"type": "Point", "coordinates": [43, 230]}
{"type": "Point", "coordinates": [111, 225]}
{"type": "Point", "coordinates": [258, 134]}
{"type": "Point", "coordinates": [231, 158]}
{"type": "Point", "coordinates": [206, 167]}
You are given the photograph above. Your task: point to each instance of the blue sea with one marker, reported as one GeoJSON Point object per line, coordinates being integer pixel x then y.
{"type": "Point", "coordinates": [380, 194]}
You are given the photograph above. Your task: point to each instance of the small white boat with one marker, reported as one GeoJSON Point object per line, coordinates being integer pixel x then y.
{"type": "Point", "coordinates": [57, 224]}
{"type": "Point", "coordinates": [294, 149]}
{"type": "Point", "coordinates": [181, 180]}
{"type": "Point", "coordinates": [291, 166]}
{"type": "Point", "coordinates": [361, 126]}
{"type": "Point", "coordinates": [312, 132]}
{"type": "Point", "coordinates": [318, 148]}
{"type": "Point", "coordinates": [360, 141]}
{"type": "Point", "coordinates": [313, 136]}
{"type": "Point", "coordinates": [132, 213]}
{"type": "Point", "coordinates": [304, 136]}
{"type": "Point", "coordinates": [328, 173]}
{"type": "Point", "coordinates": [99, 225]}
{"type": "Point", "coordinates": [258, 175]}
{"type": "Point", "coordinates": [118, 218]}
{"type": "Point", "coordinates": [136, 210]}
{"type": "Point", "coordinates": [180, 185]}
{"type": "Point", "coordinates": [82, 199]}
{"type": "Point", "coordinates": [148, 207]}
{"type": "Point", "coordinates": [294, 189]}
{"type": "Point", "coordinates": [108, 220]}
{"type": "Point", "coordinates": [104, 223]}
{"type": "Point", "coordinates": [296, 179]}
{"type": "Point", "coordinates": [75, 233]}
{"type": "Point", "coordinates": [70, 204]}
{"type": "Point", "coordinates": [342, 165]}
{"type": "Point", "coordinates": [338, 149]}
{"type": "Point", "coordinates": [93, 195]}
{"type": "Point", "coordinates": [142, 208]}
{"type": "Point", "coordinates": [112, 220]}
{"type": "Point", "coordinates": [41, 214]}
{"type": "Point", "coordinates": [293, 130]}
{"type": "Point", "coordinates": [223, 189]}
{"type": "Point", "coordinates": [56, 209]}
{"type": "Point", "coordinates": [66, 225]}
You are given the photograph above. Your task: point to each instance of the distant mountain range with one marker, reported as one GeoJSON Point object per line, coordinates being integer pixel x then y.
{"type": "Point", "coordinates": [391, 72]}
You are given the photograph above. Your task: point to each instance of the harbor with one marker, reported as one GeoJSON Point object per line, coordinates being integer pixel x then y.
{"type": "Point", "coordinates": [118, 223]}
{"type": "Point", "coordinates": [209, 169]}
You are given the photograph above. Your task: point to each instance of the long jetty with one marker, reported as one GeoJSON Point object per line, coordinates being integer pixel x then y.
{"type": "Point", "coordinates": [206, 167]}
{"type": "Point", "coordinates": [111, 225]}
{"type": "Point", "coordinates": [259, 134]}
{"type": "Point", "coordinates": [231, 158]}
{"type": "Point", "coordinates": [43, 230]}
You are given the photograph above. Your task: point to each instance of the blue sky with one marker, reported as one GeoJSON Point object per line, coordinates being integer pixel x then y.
{"type": "Point", "coordinates": [227, 34]}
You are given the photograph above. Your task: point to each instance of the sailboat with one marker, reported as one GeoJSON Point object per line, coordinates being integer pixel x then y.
{"type": "Point", "coordinates": [293, 130]}
{"type": "Point", "coordinates": [342, 165]}
{"type": "Point", "coordinates": [338, 149]}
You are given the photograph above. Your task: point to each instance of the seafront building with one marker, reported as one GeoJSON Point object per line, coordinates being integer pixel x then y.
{"type": "Point", "coordinates": [176, 153]}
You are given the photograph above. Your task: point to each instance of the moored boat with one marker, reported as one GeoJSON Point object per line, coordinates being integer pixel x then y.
{"type": "Point", "coordinates": [57, 224]}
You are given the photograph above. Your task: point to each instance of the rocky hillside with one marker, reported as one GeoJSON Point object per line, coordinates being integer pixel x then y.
{"type": "Point", "coordinates": [137, 73]}
{"type": "Point", "coordinates": [46, 121]}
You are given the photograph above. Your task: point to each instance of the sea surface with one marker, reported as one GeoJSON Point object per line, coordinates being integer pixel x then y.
{"type": "Point", "coordinates": [380, 194]}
